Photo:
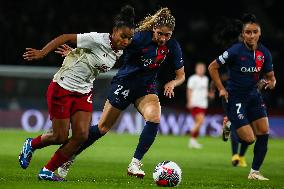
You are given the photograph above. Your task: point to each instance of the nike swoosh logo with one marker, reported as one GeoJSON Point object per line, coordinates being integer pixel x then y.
{"type": "Point", "coordinates": [89, 99]}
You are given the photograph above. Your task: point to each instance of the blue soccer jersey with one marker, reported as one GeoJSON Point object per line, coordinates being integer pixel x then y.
{"type": "Point", "coordinates": [244, 67]}
{"type": "Point", "coordinates": [141, 62]}
{"type": "Point", "coordinates": [143, 57]}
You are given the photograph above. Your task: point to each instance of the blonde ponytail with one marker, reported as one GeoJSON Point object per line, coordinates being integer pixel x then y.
{"type": "Point", "coordinates": [161, 18]}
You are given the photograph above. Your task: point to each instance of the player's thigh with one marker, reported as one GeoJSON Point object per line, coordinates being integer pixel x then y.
{"type": "Point", "coordinates": [149, 107]}
{"type": "Point", "coordinates": [109, 116]}
{"type": "Point", "coordinates": [59, 132]}
{"type": "Point", "coordinates": [81, 121]}
{"type": "Point", "coordinates": [199, 118]}
{"type": "Point", "coordinates": [261, 126]}
{"type": "Point", "coordinates": [246, 133]}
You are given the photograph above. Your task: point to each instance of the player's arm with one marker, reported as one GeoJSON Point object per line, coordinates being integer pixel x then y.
{"type": "Point", "coordinates": [213, 69]}
{"type": "Point", "coordinates": [188, 96]}
{"type": "Point", "coordinates": [34, 54]}
{"type": "Point", "coordinates": [179, 79]}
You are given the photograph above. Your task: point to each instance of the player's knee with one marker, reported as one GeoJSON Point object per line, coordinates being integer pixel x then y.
{"type": "Point", "coordinates": [60, 139]}
{"type": "Point", "coordinates": [155, 118]}
{"type": "Point", "coordinates": [81, 137]}
{"type": "Point", "coordinates": [247, 140]}
{"type": "Point", "coordinates": [104, 128]}
{"type": "Point", "coordinates": [262, 131]}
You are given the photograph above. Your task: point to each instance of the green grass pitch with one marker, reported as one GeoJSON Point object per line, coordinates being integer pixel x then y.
{"type": "Point", "coordinates": [104, 164]}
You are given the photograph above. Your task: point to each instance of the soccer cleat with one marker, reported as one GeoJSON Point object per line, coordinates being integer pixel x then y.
{"type": "Point", "coordinates": [26, 154]}
{"type": "Point", "coordinates": [255, 175]}
{"type": "Point", "coordinates": [134, 169]}
{"type": "Point", "coordinates": [46, 174]}
{"type": "Point", "coordinates": [63, 170]}
{"type": "Point", "coordinates": [194, 144]}
{"type": "Point", "coordinates": [226, 129]}
{"type": "Point", "coordinates": [242, 162]}
{"type": "Point", "coordinates": [235, 160]}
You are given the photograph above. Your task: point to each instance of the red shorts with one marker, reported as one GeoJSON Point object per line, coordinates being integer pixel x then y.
{"type": "Point", "coordinates": [197, 110]}
{"type": "Point", "coordinates": [63, 103]}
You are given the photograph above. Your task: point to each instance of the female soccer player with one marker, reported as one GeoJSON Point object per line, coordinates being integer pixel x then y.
{"type": "Point", "coordinates": [135, 83]}
{"type": "Point", "coordinates": [244, 104]}
{"type": "Point", "coordinates": [69, 95]}
{"type": "Point", "coordinates": [197, 101]}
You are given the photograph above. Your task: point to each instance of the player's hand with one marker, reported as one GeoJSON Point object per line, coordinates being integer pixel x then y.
{"type": "Point", "coordinates": [270, 84]}
{"type": "Point", "coordinates": [33, 54]}
{"type": "Point", "coordinates": [63, 50]}
{"type": "Point", "coordinates": [224, 94]}
{"type": "Point", "coordinates": [169, 89]}
{"type": "Point", "coordinates": [261, 84]}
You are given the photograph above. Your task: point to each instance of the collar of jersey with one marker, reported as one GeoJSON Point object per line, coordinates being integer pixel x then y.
{"type": "Point", "coordinates": [111, 44]}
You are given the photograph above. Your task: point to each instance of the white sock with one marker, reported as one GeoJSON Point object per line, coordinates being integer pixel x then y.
{"type": "Point", "coordinates": [251, 170]}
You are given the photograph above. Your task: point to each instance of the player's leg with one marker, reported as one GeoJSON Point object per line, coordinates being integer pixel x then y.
{"type": "Point", "coordinates": [108, 118]}
{"type": "Point", "coordinates": [59, 104]}
{"type": "Point", "coordinates": [110, 114]}
{"type": "Point", "coordinates": [258, 116]}
{"type": "Point", "coordinates": [58, 136]}
{"type": "Point", "coordinates": [80, 127]}
{"type": "Point", "coordinates": [150, 109]}
{"type": "Point", "coordinates": [261, 129]}
{"type": "Point", "coordinates": [198, 121]}
{"type": "Point", "coordinates": [243, 149]}
{"type": "Point", "coordinates": [235, 147]}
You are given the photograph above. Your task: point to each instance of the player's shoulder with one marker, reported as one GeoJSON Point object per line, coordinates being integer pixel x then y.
{"type": "Point", "coordinates": [263, 48]}
{"type": "Point", "coordinates": [237, 46]}
{"type": "Point", "coordinates": [142, 36]}
{"type": "Point", "coordinates": [173, 43]}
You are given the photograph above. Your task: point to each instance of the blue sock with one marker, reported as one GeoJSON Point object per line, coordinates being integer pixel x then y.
{"type": "Point", "coordinates": [94, 134]}
{"type": "Point", "coordinates": [243, 149]}
{"type": "Point", "coordinates": [260, 149]}
{"type": "Point", "coordinates": [146, 139]}
{"type": "Point", "coordinates": [234, 142]}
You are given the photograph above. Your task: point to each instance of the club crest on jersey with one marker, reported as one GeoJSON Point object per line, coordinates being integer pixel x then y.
{"type": "Point", "coordinates": [260, 58]}
{"type": "Point", "coordinates": [159, 56]}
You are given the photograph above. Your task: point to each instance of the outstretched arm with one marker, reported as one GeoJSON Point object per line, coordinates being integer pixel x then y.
{"type": "Point", "coordinates": [34, 54]}
{"type": "Point", "coordinates": [169, 87]}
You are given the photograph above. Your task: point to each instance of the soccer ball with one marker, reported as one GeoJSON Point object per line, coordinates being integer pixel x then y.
{"type": "Point", "coordinates": [167, 173]}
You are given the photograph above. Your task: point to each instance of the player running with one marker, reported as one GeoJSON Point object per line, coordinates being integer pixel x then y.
{"type": "Point", "coordinates": [69, 95]}
{"type": "Point", "coordinates": [244, 104]}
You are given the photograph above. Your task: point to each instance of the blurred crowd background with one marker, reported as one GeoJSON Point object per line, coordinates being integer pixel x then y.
{"type": "Point", "coordinates": [34, 23]}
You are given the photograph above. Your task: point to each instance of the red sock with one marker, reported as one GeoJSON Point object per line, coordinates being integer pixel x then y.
{"type": "Point", "coordinates": [36, 143]}
{"type": "Point", "coordinates": [194, 134]}
{"type": "Point", "coordinates": [56, 161]}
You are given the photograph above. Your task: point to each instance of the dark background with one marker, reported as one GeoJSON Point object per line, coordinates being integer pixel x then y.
{"type": "Point", "coordinates": [34, 23]}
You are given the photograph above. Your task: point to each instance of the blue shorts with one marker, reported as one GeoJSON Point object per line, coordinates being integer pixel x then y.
{"type": "Point", "coordinates": [243, 111]}
{"type": "Point", "coordinates": [125, 92]}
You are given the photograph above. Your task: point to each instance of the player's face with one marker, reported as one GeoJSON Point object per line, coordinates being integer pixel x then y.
{"type": "Point", "coordinates": [122, 37]}
{"type": "Point", "coordinates": [251, 33]}
{"type": "Point", "coordinates": [200, 69]}
{"type": "Point", "coordinates": [161, 35]}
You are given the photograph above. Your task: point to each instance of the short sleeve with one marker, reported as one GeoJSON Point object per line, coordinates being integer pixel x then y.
{"type": "Point", "coordinates": [267, 65]}
{"type": "Point", "coordinates": [190, 82]}
{"type": "Point", "coordinates": [177, 55]}
{"type": "Point", "coordinates": [228, 55]}
{"type": "Point", "coordinates": [87, 40]}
